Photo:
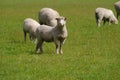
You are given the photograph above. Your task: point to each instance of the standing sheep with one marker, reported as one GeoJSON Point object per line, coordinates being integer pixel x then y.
{"type": "Point", "coordinates": [52, 34]}
{"type": "Point", "coordinates": [30, 26]}
{"type": "Point", "coordinates": [47, 16]}
{"type": "Point", "coordinates": [117, 8]}
{"type": "Point", "coordinates": [105, 15]}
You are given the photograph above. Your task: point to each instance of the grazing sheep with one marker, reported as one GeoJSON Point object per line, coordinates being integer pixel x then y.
{"type": "Point", "coordinates": [105, 15]}
{"type": "Point", "coordinates": [30, 26]}
{"type": "Point", "coordinates": [117, 8]}
{"type": "Point", "coordinates": [52, 34]}
{"type": "Point", "coordinates": [47, 16]}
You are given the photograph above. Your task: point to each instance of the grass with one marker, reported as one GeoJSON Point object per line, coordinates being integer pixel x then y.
{"type": "Point", "coordinates": [90, 53]}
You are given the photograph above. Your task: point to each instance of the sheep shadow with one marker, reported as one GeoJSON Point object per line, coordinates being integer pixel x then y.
{"type": "Point", "coordinates": [33, 52]}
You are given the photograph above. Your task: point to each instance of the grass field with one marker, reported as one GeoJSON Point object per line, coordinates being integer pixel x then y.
{"type": "Point", "coordinates": [90, 53]}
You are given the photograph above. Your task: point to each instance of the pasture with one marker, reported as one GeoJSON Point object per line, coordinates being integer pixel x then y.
{"type": "Point", "coordinates": [90, 53]}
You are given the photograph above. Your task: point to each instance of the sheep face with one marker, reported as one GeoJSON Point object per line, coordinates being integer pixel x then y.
{"type": "Point", "coordinates": [114, 21]}
{"type": "Point", "coordinates": [61, 21]}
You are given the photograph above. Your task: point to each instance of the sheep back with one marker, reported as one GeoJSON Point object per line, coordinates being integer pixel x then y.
{"type": "Point", "coordinates": [30, 25]}
{"type": "Point", "coordinates": [45, 33]}
{"type": "Point", "coordinates": [47, 16]}
{"type": "Point", "coordinates": [102, 12]}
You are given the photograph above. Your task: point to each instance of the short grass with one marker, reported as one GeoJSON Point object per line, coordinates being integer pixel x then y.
{"type": "Point", "coordinates": [90, 53]}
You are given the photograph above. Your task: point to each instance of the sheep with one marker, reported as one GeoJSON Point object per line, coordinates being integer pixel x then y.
{"type": "Point", "coordinates": [105, 15]}
{"type": "Point", "coordinates": [117, 8]}
{"type": "Point", "coordinates": [52, 34]}
{"type": "Point", "coordinates": [47, 16]}
{"type": "Point", "coordinates": [30, 26]}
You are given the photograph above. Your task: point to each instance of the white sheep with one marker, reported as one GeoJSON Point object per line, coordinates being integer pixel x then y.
{"type": "Point", "coordinates": [30, 26]}
{"type": "Point", "coordinates": [52, 34]}
{"type": "Point", "coordinates": [47, 16]}
{"type": "Point", "coordinates": [105, 15]}
{"type": "Point", "coordinates": [117, 8]}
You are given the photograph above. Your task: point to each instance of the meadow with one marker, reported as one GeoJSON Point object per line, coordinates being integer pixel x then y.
{"type": "Point", "coordinates": [90, 53]}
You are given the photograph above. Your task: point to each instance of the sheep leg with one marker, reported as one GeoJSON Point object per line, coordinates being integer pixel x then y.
{"type": "Point", "coordinates": [41, 49]}
{"type": "Point", "coordinates": [56, 43]}
{"type": "Point", "coordinates": [24, 36]}
{"type": "Point", "coordinates": [61, 43]}
{"type": "Point", "coordinates": [57, 50]}
{"type": "Point", "coordinates": [104, 22]}
{"type": "Point", "coordinates": [33, 38]}
{"type": "Point", "coordinates": [98, 22]}
{"type": "Point", "coordinates": [98, 19]}
{"type": "Point", "coordinates": [30, 37]}
{"type": "Point", "coordinates": [109, 22]}
{"type": "Point", "coordinates": [117, 15]}
{"type": "Point", "coordinates": [39, 45]}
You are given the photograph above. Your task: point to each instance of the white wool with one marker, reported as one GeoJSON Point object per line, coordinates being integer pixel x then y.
{"type": "Point", "coordinates": [47, 16]}
{"type": "Point", "coordinates": [30, 26]}
{"type": "Point", "coordinates": [105, 15]}
{"type": "Point", "coordinates": [52, 34]}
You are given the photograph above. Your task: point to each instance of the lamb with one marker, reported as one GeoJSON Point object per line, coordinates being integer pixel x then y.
{"type": "Point", "coordinates": [105, 15]}
{"type": "Point", "coordinates": [30, 26]}
{"type": "Point", "coordinates": [52, 34]}
{"type": "Point", "coordinates": [117, 8]}
{"type": "Point", "coordinates": [47, 16]}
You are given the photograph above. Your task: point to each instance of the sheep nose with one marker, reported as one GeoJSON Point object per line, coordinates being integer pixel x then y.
{"type": "Point", "coordinates": [116, 22]}
{"type": "Point", "coordinates": [62, 22]}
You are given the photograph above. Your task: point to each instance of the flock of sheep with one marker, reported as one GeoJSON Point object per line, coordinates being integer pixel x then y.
{"type": "Point", "coordinates": [52, 27]}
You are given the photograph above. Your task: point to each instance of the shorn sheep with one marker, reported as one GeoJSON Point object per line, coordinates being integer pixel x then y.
{"type": "Point", "coordinates": [105, 15]}
{"type": "Point", "coordinates": [47, 16]}
{"type": "Point", "coordinates": [30, 26]}
{"type": "Point", "coordinates": [52, 34]}
{"type": "Point", "coordinates": [117, 8]}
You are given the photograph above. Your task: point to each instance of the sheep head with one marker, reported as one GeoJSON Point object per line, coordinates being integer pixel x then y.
{"type": "Point", "coordinates": [61, 21]}
{"type": "Point", "coordinates": [113, 20]}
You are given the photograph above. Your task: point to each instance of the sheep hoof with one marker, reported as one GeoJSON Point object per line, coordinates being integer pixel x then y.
{"type": "Point", "coordinates": [61, 52]}
{"type": "Point", "coordinates": [37, 51]}
{"type": "Point", "coordinates": [57, 52]}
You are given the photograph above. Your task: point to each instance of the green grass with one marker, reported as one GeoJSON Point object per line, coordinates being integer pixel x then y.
{"type": "Point", "coordinates": [90, 53]}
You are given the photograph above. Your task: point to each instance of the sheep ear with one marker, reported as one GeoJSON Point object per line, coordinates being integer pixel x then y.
{"type": "Point", "coordinates": [56, 18]}
{"type": "Point", "coordinates": [65, 18]}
